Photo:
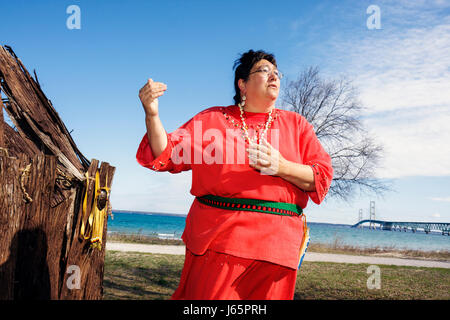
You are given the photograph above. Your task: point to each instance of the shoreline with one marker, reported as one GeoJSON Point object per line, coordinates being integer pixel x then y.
{"type": "Point", "coordinates": [310, 256]}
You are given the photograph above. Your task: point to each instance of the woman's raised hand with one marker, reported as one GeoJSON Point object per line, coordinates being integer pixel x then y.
{"type": "Point", "coordinates": [149, 95]}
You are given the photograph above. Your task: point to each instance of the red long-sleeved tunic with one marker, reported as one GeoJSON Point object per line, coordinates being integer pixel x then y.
{"type": "Point", "coordinates": [211, 145]}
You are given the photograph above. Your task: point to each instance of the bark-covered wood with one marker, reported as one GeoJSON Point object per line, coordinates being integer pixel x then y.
{"type": "Point", "coordinates": [2, 142]}
{"type": "Point", "coordinates": [42, 186]}
{"type": "Point", "coordinates": [88, 259]}
{"type": "Point", "coordinates": [14, 144]}
{"type": "Point", "coordinates": [34, 115]}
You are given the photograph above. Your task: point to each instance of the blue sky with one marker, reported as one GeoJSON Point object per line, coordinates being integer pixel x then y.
{"type": "Point", "coordinates": [93, 75]}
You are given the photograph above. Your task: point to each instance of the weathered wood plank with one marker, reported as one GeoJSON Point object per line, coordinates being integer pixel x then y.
{"type": "Point", "coordinates": [90, 261]}
{"type": "Point", "coordinates": [38, 242]}
{"type": "Point", "coordinates": [26, 265]}
{"type": "Point", "coordinates": [9, 223]}
{"type": "Point", "coordinates": [16, 145]}
{"type": "Point", "coordinates": [41, 197]}
{"type": "Point", "coordinates": [2, 140]}
{"type": "Point", "coordinates": [34, 113]}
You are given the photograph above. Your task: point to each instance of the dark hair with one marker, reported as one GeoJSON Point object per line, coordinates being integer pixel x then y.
{"type": "Point", "coordinates": [244, 64]}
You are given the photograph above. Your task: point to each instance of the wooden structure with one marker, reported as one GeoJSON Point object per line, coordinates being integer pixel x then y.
{"type": "Point", "coordinates": [42, 187]}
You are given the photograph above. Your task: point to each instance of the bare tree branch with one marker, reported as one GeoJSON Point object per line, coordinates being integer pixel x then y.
{"type": "Point", "coordinates": [333, 108]}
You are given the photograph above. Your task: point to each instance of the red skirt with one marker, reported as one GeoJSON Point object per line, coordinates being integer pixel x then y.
{"type": "Point", "coordinates": [220, 276]}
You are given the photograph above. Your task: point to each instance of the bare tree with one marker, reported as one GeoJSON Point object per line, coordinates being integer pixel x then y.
{"type": "Point", "coordinates": [334, 110]}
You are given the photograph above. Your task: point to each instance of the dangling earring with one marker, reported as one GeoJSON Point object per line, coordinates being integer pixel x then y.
{"type": "Point", "coordinates": [242, 103]}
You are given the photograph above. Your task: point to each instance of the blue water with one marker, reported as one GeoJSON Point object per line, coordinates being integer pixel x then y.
{"type": "Point", "coordinates": [169, 226]}
{"type": "Point", "coordinates": [147, 224]}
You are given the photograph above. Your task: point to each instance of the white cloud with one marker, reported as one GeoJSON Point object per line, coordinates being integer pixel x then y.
{"type": "Point", "coordinates": [403, 76]}
{"type": "Point", "coordinates": [402, 71]}
{"type": "Point", "coordinates": [442, 199]}
{"type": "Point", "coordinates": [415, 141]}
{"type": "Point", "coordinates": [436, 215]}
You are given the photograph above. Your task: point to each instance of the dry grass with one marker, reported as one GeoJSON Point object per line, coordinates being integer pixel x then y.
{"type": "Point", "coordinates": [139, 238]}
{"type": "Point", "coordinates": [443, 255]}
{"type": "Point", "coordinates": [329, 281]}
{"type": "Point", "coordinates": [137, 276]}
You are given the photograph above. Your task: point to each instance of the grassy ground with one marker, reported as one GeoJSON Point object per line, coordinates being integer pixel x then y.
{"type": "Point", "coordinates": [131, 275]}
{"type": "Point", "coordinates": [336, 247]}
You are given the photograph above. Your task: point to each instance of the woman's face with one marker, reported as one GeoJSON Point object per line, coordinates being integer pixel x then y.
{"type": "Point", "coordinates": [261, 87]}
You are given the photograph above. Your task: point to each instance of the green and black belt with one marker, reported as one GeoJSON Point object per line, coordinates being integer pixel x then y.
{"type": "Point", "coordinates": [264, 206]}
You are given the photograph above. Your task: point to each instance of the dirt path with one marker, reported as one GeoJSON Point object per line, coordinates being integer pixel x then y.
{"type": "Point", "coordinates": [310, 256]}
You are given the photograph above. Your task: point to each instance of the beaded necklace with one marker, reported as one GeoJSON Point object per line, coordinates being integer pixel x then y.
{"type": "Point", "coordinates": [273, 114]}
{"type": "Point", "coordinates": [244, 126]}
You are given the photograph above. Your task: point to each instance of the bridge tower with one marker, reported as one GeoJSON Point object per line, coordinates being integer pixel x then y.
{"type": "Point", "coordinates": [372, 214]}
{"type": "Point", "coordinates": [360, 217]}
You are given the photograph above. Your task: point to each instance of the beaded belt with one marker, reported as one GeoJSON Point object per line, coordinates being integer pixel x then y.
{"type": "Point", "coordinates": [272, 207]}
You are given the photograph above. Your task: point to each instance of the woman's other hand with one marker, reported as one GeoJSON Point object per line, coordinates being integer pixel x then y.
{"type": "Point", "coordinates": [149, 95]}
{"type": "Point", "coordinates": [268, 160]}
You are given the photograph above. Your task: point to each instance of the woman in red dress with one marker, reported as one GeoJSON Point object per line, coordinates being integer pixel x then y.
{"type": "Point", "coordinates": [254, 167]}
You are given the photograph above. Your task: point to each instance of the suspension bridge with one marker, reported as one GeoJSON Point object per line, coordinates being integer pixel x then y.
{"type": "Point", "coordinates": [426, 227]}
